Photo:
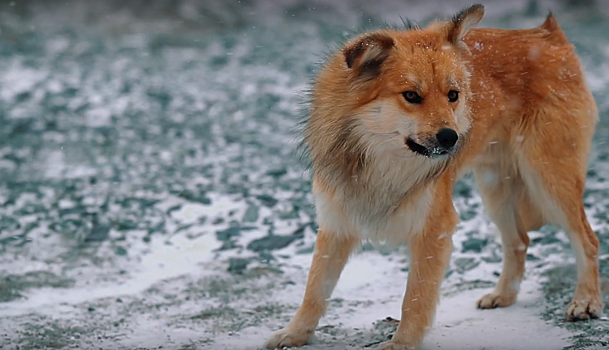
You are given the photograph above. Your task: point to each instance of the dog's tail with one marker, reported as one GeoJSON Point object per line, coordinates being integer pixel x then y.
{"type": "Point", "coordinates": [553, 31]}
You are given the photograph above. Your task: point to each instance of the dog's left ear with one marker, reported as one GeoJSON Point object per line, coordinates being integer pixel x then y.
{"type": "Point", "coordinates": [463, 21]}
{"type": "Point", "coordinates": [366, 54]}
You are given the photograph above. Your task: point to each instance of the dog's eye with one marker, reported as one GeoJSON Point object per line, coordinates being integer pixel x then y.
{"type": "Point", "coordinates": [412, 97]}
{"type": "Point", "coordinates": [453, 96]}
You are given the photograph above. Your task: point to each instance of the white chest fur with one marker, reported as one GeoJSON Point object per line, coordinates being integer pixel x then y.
{"type": "Point", "coordinates": [363, 217]}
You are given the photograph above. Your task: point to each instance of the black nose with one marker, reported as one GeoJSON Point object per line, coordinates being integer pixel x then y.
{"type": "Point", "coordinates": [447, 137]}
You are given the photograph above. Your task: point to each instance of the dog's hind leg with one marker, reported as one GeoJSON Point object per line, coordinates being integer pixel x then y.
{"type": "Point", "coordinates": [502, 192]}
{"type": "Point", "coordinates": [552, 160]}
{"type": "Point", "coordinates": [559, 193]}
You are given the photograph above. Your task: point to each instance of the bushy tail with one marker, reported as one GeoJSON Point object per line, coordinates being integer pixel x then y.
{"type": "Point", "coordinates": [554, 32]}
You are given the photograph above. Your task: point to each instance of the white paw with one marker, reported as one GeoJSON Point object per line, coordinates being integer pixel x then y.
{"type": "Point", "coordinates": [494, 300]}
{"type": "Point", "coordinates": [288, 338]}
{"type": "Point", "coordinates": [584, 309]}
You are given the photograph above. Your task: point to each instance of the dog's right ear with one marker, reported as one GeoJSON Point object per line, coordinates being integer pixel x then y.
{"type": "Point", "coordinates": [463, 21]}
{"type": "Point", "coordinates": [366, 54]}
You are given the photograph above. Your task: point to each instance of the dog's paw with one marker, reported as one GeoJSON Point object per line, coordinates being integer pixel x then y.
{"type": "Point", "coordinates": [584, 309]}
{"type": "Point", "coordinates": [390, 345]}
{"type": "Point", "coordinates": [495, 300]}
{"type": "Point", "coordinates": [287, 338]}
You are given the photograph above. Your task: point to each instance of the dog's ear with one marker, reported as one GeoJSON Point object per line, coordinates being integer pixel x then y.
{"type": "Point", "coordinates": [463, 21]}
{"type": "Point", "coordinates": [366, 54]}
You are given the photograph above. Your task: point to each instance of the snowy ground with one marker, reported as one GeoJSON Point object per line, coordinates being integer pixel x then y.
{"type": "Point", "coordinates": [151, 196]}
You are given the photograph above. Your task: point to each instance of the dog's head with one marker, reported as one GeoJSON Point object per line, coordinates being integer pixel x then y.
{"type": "Point", "coordinates": [409, 90]}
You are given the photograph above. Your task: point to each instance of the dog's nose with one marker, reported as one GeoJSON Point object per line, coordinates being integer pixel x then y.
{"type": "Point", "coordinates": [447, 138]}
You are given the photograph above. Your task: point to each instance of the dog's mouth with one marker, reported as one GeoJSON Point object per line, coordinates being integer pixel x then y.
{"type": "Point", "coordinates": [426, 151]}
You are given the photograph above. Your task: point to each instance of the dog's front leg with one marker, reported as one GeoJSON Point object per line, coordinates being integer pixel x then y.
{"type": "Point", "coordinates": [429, 256]}
{"type": "Point", "coordinates": [331, 253]}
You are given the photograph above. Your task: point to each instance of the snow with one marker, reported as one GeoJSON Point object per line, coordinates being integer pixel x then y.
{"type": "Point", "coordinates": [373, 282]}
{"type": "Point", "coordinates": [458, 326]}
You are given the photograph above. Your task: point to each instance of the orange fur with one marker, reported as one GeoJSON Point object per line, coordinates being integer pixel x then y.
{"type": "Point", "coordinates": [388, 139]}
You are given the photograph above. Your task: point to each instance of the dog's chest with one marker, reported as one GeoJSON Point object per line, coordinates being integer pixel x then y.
{"type": "Point", "coordinates": [373, 217]}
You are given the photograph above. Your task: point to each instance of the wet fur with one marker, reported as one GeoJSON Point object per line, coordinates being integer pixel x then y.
{"type": "Point", "coordinates": [525, 120]}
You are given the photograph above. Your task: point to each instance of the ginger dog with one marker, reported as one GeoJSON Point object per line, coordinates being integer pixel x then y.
{"type": "Point", "coordinates": [397, 116]}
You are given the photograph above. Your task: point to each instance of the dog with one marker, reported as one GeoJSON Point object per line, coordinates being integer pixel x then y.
{"type": "Point", "coordinates": [398, 116]}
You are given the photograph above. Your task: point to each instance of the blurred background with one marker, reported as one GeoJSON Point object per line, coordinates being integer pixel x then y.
{"type": "Point", "coordinates": [151, 194]}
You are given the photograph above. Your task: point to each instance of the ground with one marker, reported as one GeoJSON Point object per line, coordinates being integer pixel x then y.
{"type": "Point", "coordinates": [152, 196]}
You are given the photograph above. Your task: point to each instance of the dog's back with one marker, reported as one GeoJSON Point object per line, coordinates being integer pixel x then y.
{"type": "Point", "coordinates": [533, 118]}
{"type": "Point", "coordinates": [529, 80]}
